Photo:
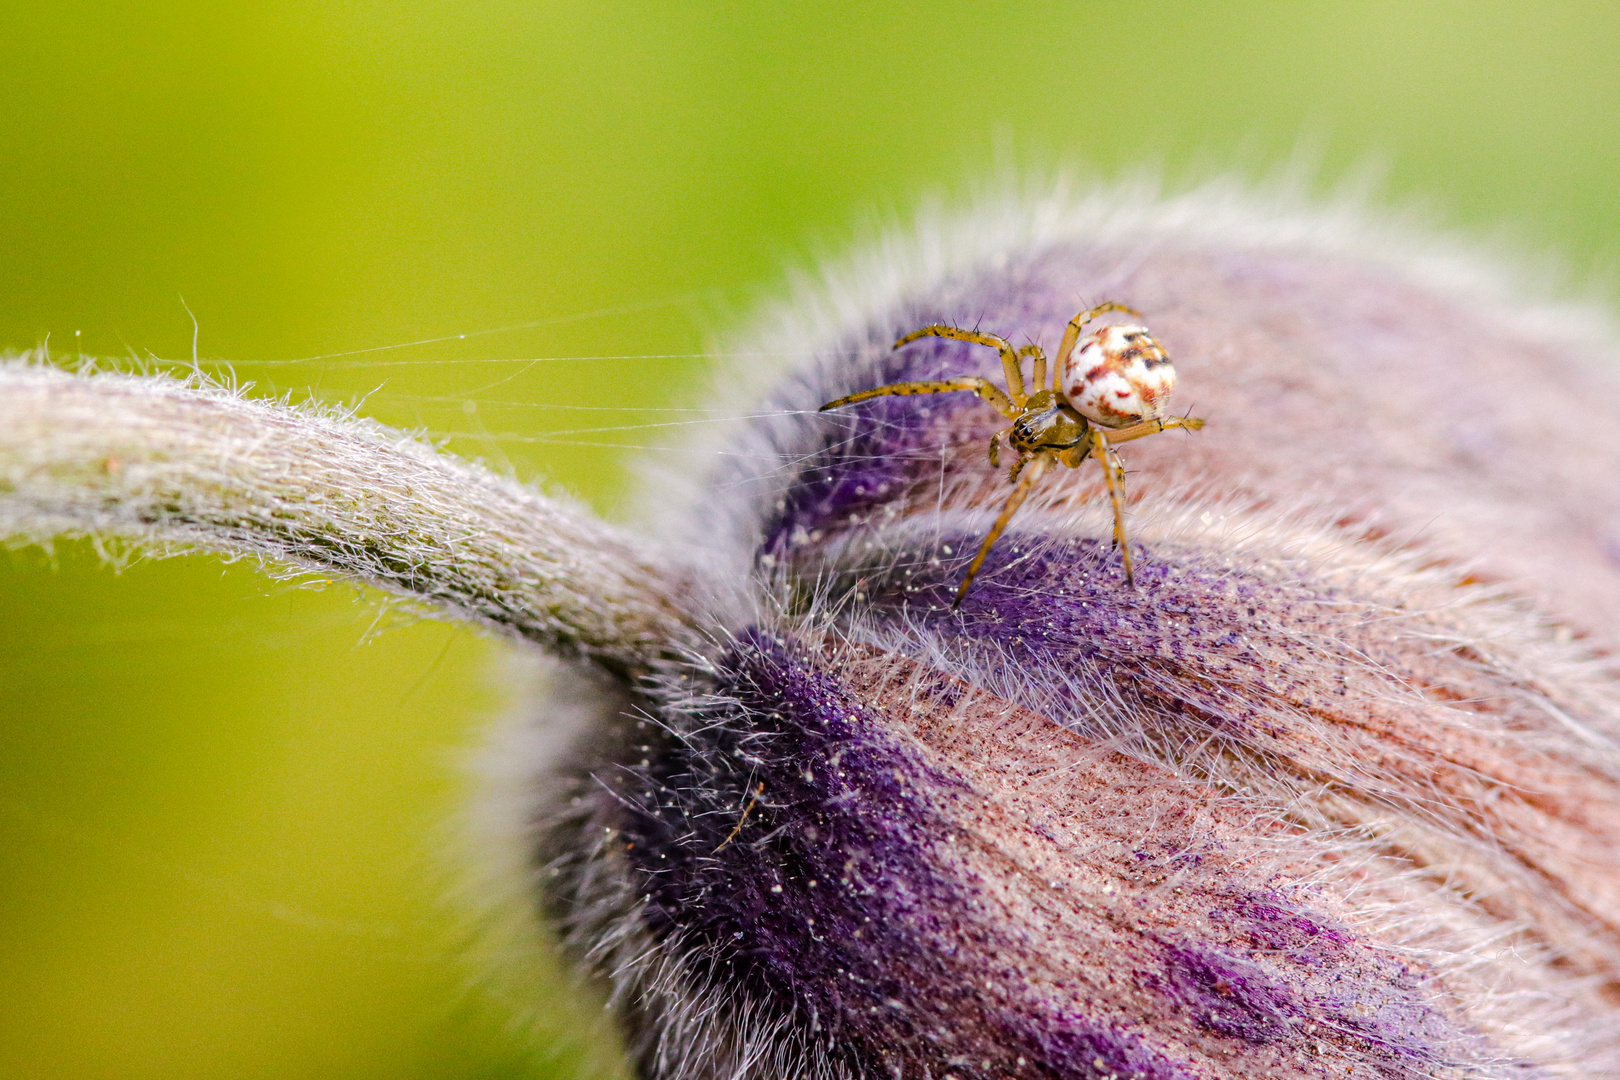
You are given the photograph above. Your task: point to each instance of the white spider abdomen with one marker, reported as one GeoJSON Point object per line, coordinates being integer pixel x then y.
{"type": "Point", "coordinates": [1118, 376]}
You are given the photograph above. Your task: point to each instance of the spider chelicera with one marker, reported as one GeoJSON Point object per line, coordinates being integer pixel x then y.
{"type": "Point", "coordinates": [1108, 388]}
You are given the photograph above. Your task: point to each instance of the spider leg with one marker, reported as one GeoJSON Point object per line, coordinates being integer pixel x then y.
{"type": "Point", "coordinates": [1071, 334]}
{"type": "Point", "coordinates": [995, 449]}
{"type": "Point", "coordinates": [1144, 428]}
{"type": "Point", "coordinates": [1037, 468]}
{"type": "Point", "coordinates": [987, 391]}
{"type": "Point", "coordinates": [1114, 475]}
{"type": "Point", "coordinates": [1038, 375]}
{"type": "Point", "coordinates": [1009, 359]}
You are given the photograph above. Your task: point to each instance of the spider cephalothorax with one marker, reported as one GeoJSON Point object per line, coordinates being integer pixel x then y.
{"type": "Point", "coordinates": [1109, 388]}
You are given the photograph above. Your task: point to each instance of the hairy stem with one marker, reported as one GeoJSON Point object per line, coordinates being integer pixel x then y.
{"type": "Point", "coordinates": [161, 462]}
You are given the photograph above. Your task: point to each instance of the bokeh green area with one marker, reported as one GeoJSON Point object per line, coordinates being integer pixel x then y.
{"type": "Point", "coordinates": [223, 801]}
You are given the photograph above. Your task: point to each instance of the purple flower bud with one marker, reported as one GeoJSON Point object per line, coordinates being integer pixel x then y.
{"type": "Point", "coordinates": [1331, 791]}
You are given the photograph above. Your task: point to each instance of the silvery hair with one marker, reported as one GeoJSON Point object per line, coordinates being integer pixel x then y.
{"type": "Point", "coordinates": [1332, 790]}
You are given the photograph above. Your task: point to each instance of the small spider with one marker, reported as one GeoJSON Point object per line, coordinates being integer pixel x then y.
{"type": "Point", "coordinates": [1109, 390]}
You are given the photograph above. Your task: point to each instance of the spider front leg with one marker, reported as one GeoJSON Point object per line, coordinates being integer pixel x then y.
{"type": "Point", "coordinates": [1114, 476]}
{"type": "Point", "coordinates": [1037, 377]}
{"type": "Point", "coordinates": [984, 388]}
{"type": "Point", "coordinates": [1011, 367]}
{"type": "Point", "coordinates": [1037, 465]}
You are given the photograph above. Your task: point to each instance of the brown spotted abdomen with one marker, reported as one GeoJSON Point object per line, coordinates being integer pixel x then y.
{"type": "Point", "coordinates": [1119, 376]}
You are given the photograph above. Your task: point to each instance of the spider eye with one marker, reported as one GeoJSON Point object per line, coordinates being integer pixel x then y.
{"type": "Point", "coordinates": [1118, 376]}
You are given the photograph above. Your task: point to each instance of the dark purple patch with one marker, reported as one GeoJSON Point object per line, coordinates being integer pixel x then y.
{"type": "Point", "coordinates": [1230, 997]}
{"type": "Point", "coordinates": [1281, 927]}
{"type": "Point", "coordinates": [1071, 1047]}
{"type": "Point", "coordinates": [874, 451]}
{"type": "Point", "coordinates": [1187, 645]}
{"type": "Point", "coordinates": [824, 901]}
{"type": "Point", "coordinates": [829, 904]}
{"type": "Point", "coordinates": [833, 853]}
{"type": "Point", "coordinates": [1368, 1006]}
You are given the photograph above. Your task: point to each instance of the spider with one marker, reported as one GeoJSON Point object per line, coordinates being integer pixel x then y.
{"type": "Point", "coordinates": [1109, 390]}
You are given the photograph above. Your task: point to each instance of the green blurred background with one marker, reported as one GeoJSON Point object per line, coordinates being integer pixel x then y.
{"type": "Point", "coordinates": [222, 800]}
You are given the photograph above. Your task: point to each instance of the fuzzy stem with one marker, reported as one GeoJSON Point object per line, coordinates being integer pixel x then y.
{"type": "Point", "coordinates": [161, 462]}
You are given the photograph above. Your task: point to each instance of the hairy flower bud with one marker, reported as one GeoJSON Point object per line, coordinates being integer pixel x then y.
{"type": "Point", "coordinates": [1333, 790]}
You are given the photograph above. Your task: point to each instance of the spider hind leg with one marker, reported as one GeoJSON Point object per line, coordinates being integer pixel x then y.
{"type": "Point", "coordinates": [1114, 476]}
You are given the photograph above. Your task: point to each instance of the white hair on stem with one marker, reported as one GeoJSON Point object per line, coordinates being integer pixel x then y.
{"type": "Point", "coordinates": [170, 464]}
